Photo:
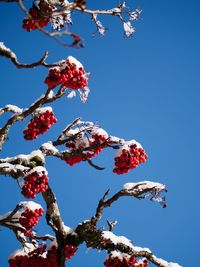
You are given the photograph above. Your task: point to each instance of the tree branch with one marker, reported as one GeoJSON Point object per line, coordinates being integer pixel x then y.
{"type": "Point", "coordinates": [138, 190]}
{"type": "Point", "coordinates": [55, 221]}
{"type": "Point", "coordinates": [7, 52]}
{"type": "Point", "coordinates": [44, 99]}
{"type": "Point", "coordinates": [105, 240]}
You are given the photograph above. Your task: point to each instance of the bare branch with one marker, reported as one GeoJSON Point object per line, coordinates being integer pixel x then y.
{"type": "Point", "coordinates": [68, 127]}
{"type": "Point", "coordinates": [9, 1]}
{"type": "Point", "coordinates": [8, 216]}
{"type": "Point", "coordinates": [111, 225]}
{"type": "Point", "coordinates": [95, 166]}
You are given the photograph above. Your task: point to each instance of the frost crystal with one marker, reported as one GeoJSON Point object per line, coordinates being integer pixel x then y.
{"type": "Point", "coordinates": [84, 92]}
{"type": "Point", "coordinates": [128, 29]}
{"type": "Point", "coordinates": [100, 27]}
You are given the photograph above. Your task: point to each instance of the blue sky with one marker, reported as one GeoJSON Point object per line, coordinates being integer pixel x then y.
{"type": "Point", "coordinates": [144, 88]}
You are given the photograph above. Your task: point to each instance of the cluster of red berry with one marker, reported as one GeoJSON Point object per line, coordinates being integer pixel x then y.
{"type": "Point", "coordinates": [39, 258]}
{"type": "Point", "coordinates": [19, 261]}
{"type": "Point", "coordinates": [39, 17]}
{"type": "Point", "coordinates": [86, 148]}
{"type": "Point", "coordinates": [68, 74]}
{"type": "Point", "coordinates": [32, 259]}
{"type": "Point", "coordinates": [52, 254]}
{"type": "Point", "coordinates": [128, 158]}
{"type": "Point", "coordinates": [125, 262]}
{"type": "Point", "coordinates": [39, 125]}
{"type": "Point", "coordinates": [29, 218]}
{"type": "Point", "coordinates": [35, 182]}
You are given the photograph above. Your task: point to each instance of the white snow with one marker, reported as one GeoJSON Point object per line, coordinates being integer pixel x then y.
{"type": "Point", "coordinates": [24, 204]}
{"type": "Point", "coordinates": [88, 123]}
{"type": "Point", "coordinates": [122, 240]}
{"type": "Point", "coordinates": [143, 185]}
{"type": "Point", "coordinates": [68, 230]}
{"type": "Point", "coordinates": [71, 94]}
{"type": "Point", "coordinates": [42, 110]}
{"type": "Point", "coordinates": [75, 61]}
{"type": "Point", "coordinates": [126, 145]}
{"type": "Point", "coordinates": [116, 139]}
{"type": "Point", "coordinates": [73, 131]}
{"type": "Point", "coordinates": [22, 158]}
{"type": "Point", "coordinates": [128, 29]}
{"type": "Point", "coordinates": [99, 131]}
{"type": "Point", "coordinates": [48, 146]}
{"type": "Point", "coordinates": [7, 50]}
{"type": "Point", "coordinates": [84, 92]}
{"type": "Point", "coordinates": [28, 247]}
{"type": "Point", "coordinates": [36, 153]}
{"type": "Point", "coordinates": [13, 108]}
{"type": "Point", "coordinates": [139, 249]}
{"type": "Point", "coordinates": [82, 142]}
{"type": "Point", "coordinates": [12, 168]}
{"type": "Point", "coordinates": [18, 252]}
{"type": "Point", "coordinates": [30, 204]}
{"type": "Point", "coordinates": [50, 94]}
{"type": "Point", "coordinates": [118, 254]}
{"type": "Point", "coordinates": [167, 264]}
{"type": "Point", "coordinates": [38, 169]}
{"type": "Point", "coordinates": [116, 239]}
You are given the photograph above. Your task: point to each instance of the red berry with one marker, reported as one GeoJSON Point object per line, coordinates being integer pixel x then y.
{"type": "Point", "coordinates": [39, 125]}
{"type": "Point", "coordinates": [85, 148]}
{"type": "Point", "coordinates": [128, 158]}
{"type": "Point", "coordinates": [35, 182]}
{"type": "Point", "coordinates": [69, 74]}
{"type": "Point", "coordinates": [40, 17]}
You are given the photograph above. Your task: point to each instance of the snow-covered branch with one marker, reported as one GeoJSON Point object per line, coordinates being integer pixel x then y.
{"type": "Point", "coordinates": [120, 245]}
{"type": "Point", "coordinates": [7, 52]}
{"type": "Point", "coordinates": [44, 99]}
{"type": "Point", "coordinates": [138, 190]}
{"type": "Point", "coordinates": [14, 170]}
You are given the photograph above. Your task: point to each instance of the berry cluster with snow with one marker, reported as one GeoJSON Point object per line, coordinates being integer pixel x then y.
{"type": "Point", "coordinates": [35, 181]}
{"type": "Point", "coordinates": [39, 257]}
{"type": "Point", "coordinates": [118, 259]}
{"type": "Point", "coordinates": [86, 147]}
{"type": "Point", "coordinates": [128, 157]}
{"type": "Point", "coordinates": [52, 253]}
{"type": "Point", "coordinates": [30, 257]}
{"type": "Point", "coordinates": [29, 218]}
{"type": "Point", "coordinates": [40, 123]}
{"type": "Point", "coordinates": [70, 73]}
{"type": "Point", "coordinates": [41, 13]}
{"type": "Point", "coordinates": [39, 16]}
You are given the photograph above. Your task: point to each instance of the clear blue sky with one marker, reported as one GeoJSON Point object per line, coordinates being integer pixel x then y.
{"type": "Point", "coordinates": [146, 88]}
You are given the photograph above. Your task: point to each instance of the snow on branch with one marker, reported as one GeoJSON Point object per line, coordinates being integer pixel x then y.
{"type": "Point", "coordinates": [48, 97]}
{"type": "Point", "coordinates": [106, 240]}
{"type": "Point", "coordinates": [138, 190]}
{"type": "Point", "coordinates": [11, 108]}
{"type": "Point", "coordinates": [58, 13]}
{"type": "Point", "coordinates": [146, 189]}
{"type": "Point", "coordinates": [7, 52]}
{"type": "Point", "coordinates": [123, 245]}
{"type": "Point", "coordinates": [14, 170]}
